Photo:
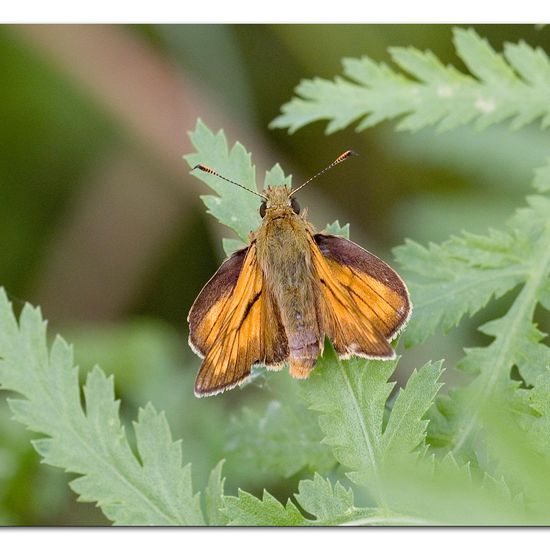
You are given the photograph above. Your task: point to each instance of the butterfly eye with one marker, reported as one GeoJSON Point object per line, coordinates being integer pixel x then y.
{"type": "Point", "coordinates": [263, 207]}
{"type": "Point", "coordinates": [295, 206]}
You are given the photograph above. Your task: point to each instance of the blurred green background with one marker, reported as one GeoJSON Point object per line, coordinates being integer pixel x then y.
{"type": "Point", "coordinates": [102, 226]}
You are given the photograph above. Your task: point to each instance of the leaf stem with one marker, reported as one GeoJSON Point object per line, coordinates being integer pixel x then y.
{"type": "Point", "coordinates": [367, 437]}
{"type": "Point", "coordinates": [522, 309]}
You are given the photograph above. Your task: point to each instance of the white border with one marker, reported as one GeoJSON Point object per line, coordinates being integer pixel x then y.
{"type": "Point", "coordinates": [272, 538]}
{"type": "Point", "coordinates": [282, 11]}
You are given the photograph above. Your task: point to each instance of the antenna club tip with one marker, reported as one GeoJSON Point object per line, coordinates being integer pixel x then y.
{"type": "Point", "coordinates": [349, 153]}
{"type": "Point", "coordinates": [203, 168]}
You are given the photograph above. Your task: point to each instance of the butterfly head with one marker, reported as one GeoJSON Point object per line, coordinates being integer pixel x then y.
{"type": "Point", "coordinates": [278, 203]}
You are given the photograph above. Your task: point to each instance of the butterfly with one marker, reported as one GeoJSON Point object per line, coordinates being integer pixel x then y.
{"type": "Point", "coordinates": [273, 302]}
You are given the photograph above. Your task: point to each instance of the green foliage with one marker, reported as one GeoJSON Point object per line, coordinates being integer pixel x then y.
{"type": "Point", "coordinates": [351, 397]}
{"type": "Point", "coordinates": [367, 453]}
{"type": "Point", "coordinates": [90, 441]}
{"type": "Point", "coordinates": [460, 277]}
{"type": "Point", "coordinates": [500, 86]}
{"type": "Point", "coordinates": [282, 439]}
{"type": "Point", "coordinates": [246, 509]}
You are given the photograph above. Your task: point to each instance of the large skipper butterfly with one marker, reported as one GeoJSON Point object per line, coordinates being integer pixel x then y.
{"type": "Point", "coordinates": [274, 301]}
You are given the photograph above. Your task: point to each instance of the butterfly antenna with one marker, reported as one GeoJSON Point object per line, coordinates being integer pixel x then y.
{"type": "Point", "coordinates": [341, 158]}
{"type": "Point", "coordinates": [208, 170]}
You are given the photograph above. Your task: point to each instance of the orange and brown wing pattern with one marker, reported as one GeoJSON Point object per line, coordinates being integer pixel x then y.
{"type": "Point", "coordinates": [228, 325]}
{"type": "Point", "coordinates": [366, 302]}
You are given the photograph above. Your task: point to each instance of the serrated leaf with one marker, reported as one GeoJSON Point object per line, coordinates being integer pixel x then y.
{"type": "Point", "coordinates": [520, 256]}
{"type": "Point", "coordinates": [532, 64]}
{"type": "Point", "coordinates": [406, 427]}
{"type": "Point", "coordinates": [154, 490]}
{"type": "Point", "coordinates": [276, 177]}
{"type": "Point", "coordinates": [457, 278]}
{"type": "Point", "coordinates": [234, 164]}
{"type": "Point", "coordinates": [351, 397]}
{"type": "Point", "coordinates": [436, 95]}
{"type": "Point", "coordinates": [331, 505]}
{"type": "Point", "coordinates": [246, 509]}
{"type": "Point", "coordinates": [481, 58]}
{"type": "Point", "coordinates": [441, 492]}
{"type": "Point", "coordinates": [320, 498]}
{"type": "Point", "coordinates": [463, 274]}
{"type": "Point", "coordinates": [520, 445]}
{"type": "Point", "coordinates": [335, 228]}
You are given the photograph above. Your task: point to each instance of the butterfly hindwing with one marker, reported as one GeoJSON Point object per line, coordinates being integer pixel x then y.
{"type": "Point", "coordinates": [365, 303]}
{"type": "Point", "coordinates": [228, 325]}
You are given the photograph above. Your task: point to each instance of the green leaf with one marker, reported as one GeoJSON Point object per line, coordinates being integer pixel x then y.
{"type": "Point", "coordinates": [213, 497]}
{"type": "Point", "coordinates": [406, 427]}
{"type": "Point", "coordinates": [152, 488]}
{"type": "Point", "coordinates": [351, 397]}
{"type": "Point", "coordinates": [276, 177]}
{"type": "Point", "coordinates": [460, 277]}
{"type": "Point", "coordinates": [519, 445]}
{"type": "Point", "coordinates": [440, 492]}
{"type": "Point", "coordinates": [280, 440]}
{"type": "Point", "coordinates": [335, 228]}
{"type": "Point", "coordinates": [463, 274]}
{"type": "Point", "coordinates": [234, 164]}
{"type": "Point", "coordinates": [231, 205]}
{"type": "Point", "coordinates": [334, 505]}
{"type": "Point", "coordinates": [331, 505]}
{"type": "Point", "coordinates": [232, 245]}
{"type": "Point", "coordinates": [496, 89]}
{"type": "Point", "coordinates": [246, 509]}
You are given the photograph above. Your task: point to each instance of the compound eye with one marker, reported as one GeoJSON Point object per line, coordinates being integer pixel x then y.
{"type": "Point", "coordinates": [263, 208]}
{"type": "Point", "coordinates": [295, 206]}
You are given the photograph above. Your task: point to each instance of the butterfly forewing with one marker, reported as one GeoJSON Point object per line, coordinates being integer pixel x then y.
{"type": "Point", "coordinates": [213, 298]}
{"type": "Point", "coordinates": [228, 325]}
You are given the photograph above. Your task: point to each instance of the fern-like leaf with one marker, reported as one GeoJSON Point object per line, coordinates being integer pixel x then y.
{"type": "Point", "coordinates": [469, 272]}
{"type": "Point", "coordinates": [461, 276]}
{"type": "Point", "coordinates": [512, 85]}
{"type": "Point", "coordinates": [152, 488]}
{"type": "Point", "coordinates": [351, 397]}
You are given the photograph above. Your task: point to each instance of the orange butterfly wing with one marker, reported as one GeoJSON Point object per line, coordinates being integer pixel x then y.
{"type": "Point", "coordinates": [234, 324]}
{"type": "Point", "coordinates": [364, 302]}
